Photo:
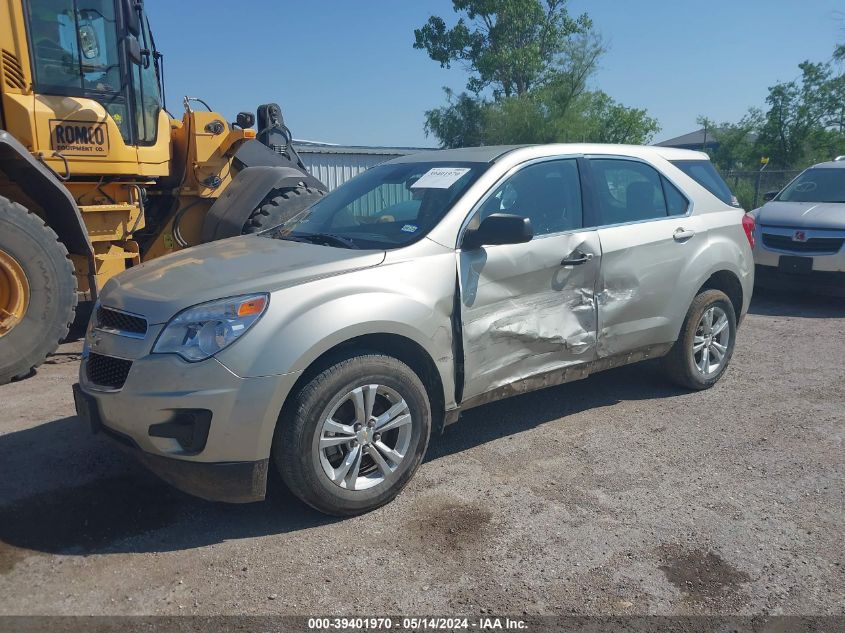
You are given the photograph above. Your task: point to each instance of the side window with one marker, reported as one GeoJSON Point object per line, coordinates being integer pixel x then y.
{"type": "Point", "coordinates": [549, 193]}
{"type": "Point", "coordinates": [628, 191]}
{"type": "Point", "coordinates": [676, 203]}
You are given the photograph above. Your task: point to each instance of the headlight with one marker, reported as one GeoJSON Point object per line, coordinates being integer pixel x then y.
{"type": "Point", "coordinates": [200, 332]}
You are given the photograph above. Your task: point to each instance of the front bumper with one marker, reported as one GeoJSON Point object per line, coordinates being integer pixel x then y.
{"type": "Point", "coordinates": [232, 482]}
{"type": "Point", "coordinates": [819, 281]}
{"type": "Point", "coordinates": [198, 426]}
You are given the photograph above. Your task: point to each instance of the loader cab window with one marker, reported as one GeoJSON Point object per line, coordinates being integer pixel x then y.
{"type": "Point", "coordinates": [145, 85]}
{"type": "Point", "coordinates": [75, 47]}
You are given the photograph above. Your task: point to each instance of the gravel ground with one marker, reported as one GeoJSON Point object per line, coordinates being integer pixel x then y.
{"type": "Point", "coordinates": [619, 495]}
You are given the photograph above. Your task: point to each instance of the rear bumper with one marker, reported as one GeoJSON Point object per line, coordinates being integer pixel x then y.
{"type": "Point", "coordinates": [825, 281]}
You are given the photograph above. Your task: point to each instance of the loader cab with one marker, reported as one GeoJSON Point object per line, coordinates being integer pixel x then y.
{"type": "Point", "coordinates": [100, 51]}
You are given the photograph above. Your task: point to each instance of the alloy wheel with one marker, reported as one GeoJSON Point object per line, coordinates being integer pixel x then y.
{"type": "Point", "coordinates": [711, 340]}
{"type": "Point", "coordinates": [365, 437]}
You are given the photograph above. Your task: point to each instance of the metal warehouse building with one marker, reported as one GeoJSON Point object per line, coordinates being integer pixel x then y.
{"type": "Point", "coordinates": [335, 164]}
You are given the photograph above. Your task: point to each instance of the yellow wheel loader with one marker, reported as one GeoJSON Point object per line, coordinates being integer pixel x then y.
{"type": "Point", "coordinates": [96, 176]}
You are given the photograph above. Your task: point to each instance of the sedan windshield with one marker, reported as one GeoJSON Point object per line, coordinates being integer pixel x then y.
{"type": "Point", "coordinates": [386, 207]}
{"type": "Point", "coordinates": [816, 185]}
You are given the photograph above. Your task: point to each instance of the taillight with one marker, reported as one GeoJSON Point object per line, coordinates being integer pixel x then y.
{"type": "Point", "coordinates": [748, 225]}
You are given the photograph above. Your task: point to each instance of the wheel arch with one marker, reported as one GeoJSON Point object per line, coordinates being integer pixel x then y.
{"type": "Point", "coordinates": [395, 345]}
{"type": "Point", "coordinates": [36, 181]}
{"type": "Point", "coordinates": [727, 282]}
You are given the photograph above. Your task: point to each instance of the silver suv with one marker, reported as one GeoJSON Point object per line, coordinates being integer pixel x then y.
{"type": "Point", "coordinates": [331, 347]}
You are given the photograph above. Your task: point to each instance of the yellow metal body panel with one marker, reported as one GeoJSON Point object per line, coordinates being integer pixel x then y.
{"type": "Point", "coordinates": [188, 167]}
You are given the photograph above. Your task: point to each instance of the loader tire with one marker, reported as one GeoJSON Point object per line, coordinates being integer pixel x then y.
{"type": "Point", "coordinates": [280, 206]}
{"type": "Point", "coordinates": [37, 291]}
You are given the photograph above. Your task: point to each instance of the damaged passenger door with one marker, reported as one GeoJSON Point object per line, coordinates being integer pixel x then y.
{"type": "Point", "coordinates": [528, 309]}
{"type": "Point", "coordinates": [646, 236]}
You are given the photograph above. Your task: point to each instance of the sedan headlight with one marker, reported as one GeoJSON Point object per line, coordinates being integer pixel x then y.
{"type": "Point", "coordinates": [200, 332]}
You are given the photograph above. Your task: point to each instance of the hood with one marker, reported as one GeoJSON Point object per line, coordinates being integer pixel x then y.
{"type": "Point", "coordinates": [160, 288]}
{"type": "Point", "coordinates": [804, 215]}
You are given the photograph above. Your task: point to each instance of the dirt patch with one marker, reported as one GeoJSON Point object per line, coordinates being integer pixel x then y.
{"type": "Point", "coordinates": [703, 576]}
{"type": "Point", "coordinates": [9, 557]}
{"type": "Point", "coordinates": [449, 525]}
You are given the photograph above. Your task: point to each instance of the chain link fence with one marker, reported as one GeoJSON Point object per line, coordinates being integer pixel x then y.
{"type": "Point", "coordinates": [750, 186]}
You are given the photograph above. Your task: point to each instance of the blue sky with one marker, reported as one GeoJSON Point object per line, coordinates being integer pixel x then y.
{"type": "Point", "coordinates": [345, 72]}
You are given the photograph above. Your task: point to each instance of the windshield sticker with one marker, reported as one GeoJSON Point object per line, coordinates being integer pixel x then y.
{"type": "Point", "coordinates": [410, 228]}
{"type": "Point", "coordinates": [440, 178]}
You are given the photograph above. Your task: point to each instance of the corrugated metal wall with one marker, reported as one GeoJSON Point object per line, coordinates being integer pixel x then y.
{"type": "Point", "coordinates": [334, 169]}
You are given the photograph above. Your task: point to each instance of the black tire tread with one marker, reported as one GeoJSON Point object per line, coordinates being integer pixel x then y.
{"type": "Point", "coordinates": [280, 206]}
{"type": "Point", "coordinates": [15, 213]}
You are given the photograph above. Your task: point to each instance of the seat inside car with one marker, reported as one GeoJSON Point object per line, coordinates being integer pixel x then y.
{"type": "Point", "coordinates": [640, 202]}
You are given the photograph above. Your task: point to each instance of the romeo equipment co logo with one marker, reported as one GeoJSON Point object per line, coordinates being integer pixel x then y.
{"type": "Point", "coordinates": [87, 138]}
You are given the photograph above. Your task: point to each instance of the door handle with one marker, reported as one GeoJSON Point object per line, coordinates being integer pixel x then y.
{"type": "Point", "coordinates": [576, 259]}
{"type": "Point", "coordinates": [682, 235]}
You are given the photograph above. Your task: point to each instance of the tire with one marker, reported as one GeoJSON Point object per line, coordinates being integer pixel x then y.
{"type": "Point", "coordinates": [280, 206]}
{"type": "Point", "coordinates": [682, 365]}
{"type": "Point", "coordinates": [305, 468]}
{"type": "Point", "coordinates": [51, 283]}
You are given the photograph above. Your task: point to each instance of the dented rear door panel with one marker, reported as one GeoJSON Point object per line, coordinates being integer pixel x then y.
{"type": "Point", "coordinates": [523, 313]}
{"type": "Point", "coordinates": [643, 282]}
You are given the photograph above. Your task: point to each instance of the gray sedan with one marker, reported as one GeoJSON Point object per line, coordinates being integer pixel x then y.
{"type": "Point", "coordinates": [331, 348]}
{"type": "Point", "coordinates": [801, 232]}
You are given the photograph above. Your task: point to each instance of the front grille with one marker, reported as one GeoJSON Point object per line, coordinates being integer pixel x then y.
{"type": "Point", "coordinates": [114, 320]}
{"type": "Point", "coordinates": [812, 245]}
{"type": "Point", "coordinates": [108, 371]}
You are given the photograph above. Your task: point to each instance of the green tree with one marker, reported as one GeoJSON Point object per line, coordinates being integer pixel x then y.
{"type": "Point", "coordinates": [736, 148]}
{"type": "Point", "coordinates": [507, 45]}
{"type": "Point", "coordinates": [530, 64]}
{"type": "Point", "coordinates": [608, 121]}
{"type": "Point", "coordinates": [459, 123]}
{"type": "Point", "coordinates": [805, 119]}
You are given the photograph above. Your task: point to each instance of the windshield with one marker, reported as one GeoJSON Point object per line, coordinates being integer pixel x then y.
{"type": "Point", "coordinates": [816, 185]}
{"type": "Point", "coordinates": [388, 206]}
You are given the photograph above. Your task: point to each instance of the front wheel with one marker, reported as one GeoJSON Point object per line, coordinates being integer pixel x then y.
{"type": "Point", "coordinates": [354, 435]}
{"type": "Point", "coordinates": [706, 343]}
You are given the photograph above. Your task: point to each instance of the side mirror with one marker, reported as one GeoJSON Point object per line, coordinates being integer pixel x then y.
{"type": "Point", "coordinates": [133, 50]}
{"type": "Point", "coordinates": [130, 15]}
{"type": "Point", "coordinates": [770, 195]}
{"type": "Point", "coordinates": [499, 228]}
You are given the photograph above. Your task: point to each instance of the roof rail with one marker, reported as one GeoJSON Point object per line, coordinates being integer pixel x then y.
{"type": "Point", "coordinates": [839, 158]}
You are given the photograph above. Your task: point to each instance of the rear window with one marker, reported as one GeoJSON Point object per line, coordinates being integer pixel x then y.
{"type": "Point", "coordinates": [703, 172]}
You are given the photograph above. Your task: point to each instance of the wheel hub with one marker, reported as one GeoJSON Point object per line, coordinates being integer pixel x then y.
{"type": "Point", "coordinates": [365, 434]}
{"type": "Point", "coordinates": [14, 293]}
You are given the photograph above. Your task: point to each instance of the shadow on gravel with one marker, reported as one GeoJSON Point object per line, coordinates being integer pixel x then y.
{"type": "Point", "coordinates": [642, 381]}
{"type": "Point", "coordinates": [123, 508]}
{"type": "Point", "coordinates": [768, 302]}
{"type": "Point", "coordinates": [68, 492]}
